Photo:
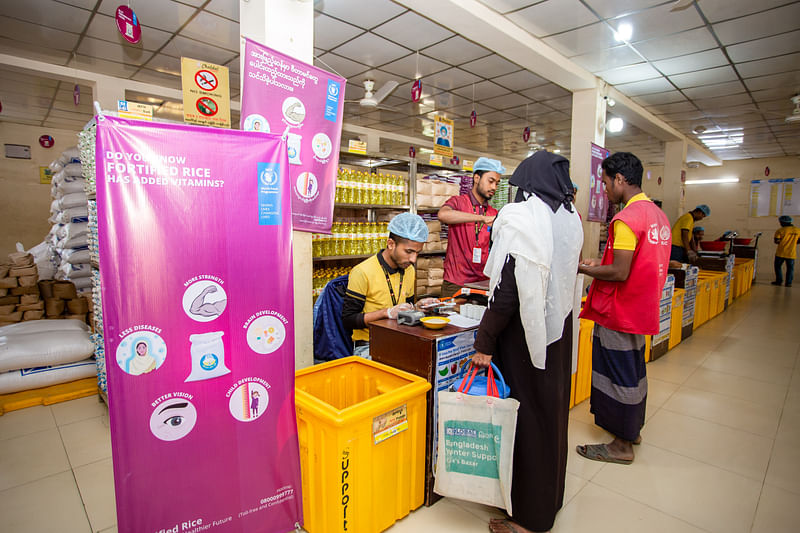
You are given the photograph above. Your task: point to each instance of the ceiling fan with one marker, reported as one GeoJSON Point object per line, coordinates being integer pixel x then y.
{"type": "Point", "coordinates": [373, 100]}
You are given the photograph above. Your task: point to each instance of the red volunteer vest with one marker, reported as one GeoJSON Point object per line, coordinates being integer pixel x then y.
{"type": "Point", "coordinates": [458, 265]}
{"type": "Point", "coordinates": [631, 306]}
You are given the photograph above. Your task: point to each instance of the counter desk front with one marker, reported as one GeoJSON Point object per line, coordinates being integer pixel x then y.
{"type": "Point", "coordinates": [436, 355]}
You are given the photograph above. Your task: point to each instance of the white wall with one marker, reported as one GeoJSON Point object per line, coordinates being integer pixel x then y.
{"type": "Point", "coordinates": [24, 202]}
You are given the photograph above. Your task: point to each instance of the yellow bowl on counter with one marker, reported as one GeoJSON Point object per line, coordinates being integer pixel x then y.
{"type": "Point", "coordinates": [434, 322]}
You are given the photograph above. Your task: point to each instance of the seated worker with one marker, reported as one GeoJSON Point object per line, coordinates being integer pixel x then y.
{"type": "Point", "coordinates": [682, 234]}
{"type": "Point", "coordinates": [383, 285]}
{"type": "Point", "coordinates": [786, 239]}
{"type": "Point", "coordinates": [469, 218]}
{"type": "Point", "coordinates": [698, 234]}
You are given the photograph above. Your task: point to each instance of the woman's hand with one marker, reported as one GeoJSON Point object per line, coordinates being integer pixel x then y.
{"type": "Point", "coordinates": [481, 360]}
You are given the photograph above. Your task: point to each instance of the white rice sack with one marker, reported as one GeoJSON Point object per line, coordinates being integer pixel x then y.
{"type": "Point", "coordinates": [43, 326]}
{"type": "Point", "coordinates": [55, 206]}
{"type": "Point", "coordinates": [34, 378]}
{"type": "Point", "coordinates": [74, 214]}
{"type": "Point", "coordinates": [56, 166]}
{"type": "Point", "coordinates": [81, 241]}
{"type": "Point", "coordinates": [43, 348]}
{"type": "Point", "coordinates": [76, 256]}
{"type": "Point", "coordinates": [70, 154]}
{"type": "Point", "coordinates": [82, 283]}
{"type": "Point", "coordinates": [72, 169]}
{"type": "Point", "coordinates": [70, 185]}
{"type": "Point", "coordinates": [75, 199]}
{"type": "Point", "coordinates": [70, 271]}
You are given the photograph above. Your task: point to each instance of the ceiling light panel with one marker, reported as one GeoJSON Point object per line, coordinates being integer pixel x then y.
{"type": "Point", "coordinates": [547, 18]}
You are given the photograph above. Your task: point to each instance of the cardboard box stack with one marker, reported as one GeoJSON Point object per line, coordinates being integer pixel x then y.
{"type": "Point", "coordinates": [434, 192]}
{"type": "Point", "coordinates": [430, 272]}
{"type": "Point", "coordinates": [435, 242]}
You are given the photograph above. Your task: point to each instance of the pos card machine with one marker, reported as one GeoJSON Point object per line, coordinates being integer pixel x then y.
{"type": "Point", "coordinates": [409, 318]}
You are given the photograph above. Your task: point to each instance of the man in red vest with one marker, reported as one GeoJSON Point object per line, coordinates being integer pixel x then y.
{"type": "Point", "coordinates": [469, 218]}
{"type": "Point", "coordinates": [623, 302]}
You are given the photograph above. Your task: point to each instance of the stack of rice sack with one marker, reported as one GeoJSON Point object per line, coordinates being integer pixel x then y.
{"type": "Point", "coordinates": [69, 215]}
{"type": "Point", "coordinates": [62, 301]}
{"type": "Point", "coordinates": [434, 191]}
{"type": "Point", "coordinates": [44, 352]}
{"type": "Point", "coordinates": [430, 271]}
{"type": "Point", "coordinates": [19, 290]}
{"type": "Point", "coordinates": [435, 242]}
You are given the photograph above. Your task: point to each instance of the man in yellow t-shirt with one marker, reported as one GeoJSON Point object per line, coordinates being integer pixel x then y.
{"type": "Point", "coordinates": [682, 234]}
{"type": "Point", "coordinates": [786, 238]}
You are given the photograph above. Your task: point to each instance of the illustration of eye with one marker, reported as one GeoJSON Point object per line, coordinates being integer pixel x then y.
{"type": "Point", "coordinates": [174, 421]}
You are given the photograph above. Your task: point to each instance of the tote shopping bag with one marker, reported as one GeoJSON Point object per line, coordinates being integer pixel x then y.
{"type": "Point", "coordinates": [476, 447]}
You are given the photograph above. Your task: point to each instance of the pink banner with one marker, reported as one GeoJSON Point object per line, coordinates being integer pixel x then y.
{"type": "Point", "coordinates": [280, 92]}
{"type": "Point", "coordinates": [196, 275]}
{"type": "Point", "coordinates": [598, 202]}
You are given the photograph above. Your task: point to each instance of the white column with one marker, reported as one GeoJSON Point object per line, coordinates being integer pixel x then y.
{"type": "Point", "coordinates": [674, 163]}
{"type": "Point", "coordinates": [288, 26]}
{"type": "Point", "coordinates": [107, 92]}
{"type": "Point", "coordinates": [588, 126]}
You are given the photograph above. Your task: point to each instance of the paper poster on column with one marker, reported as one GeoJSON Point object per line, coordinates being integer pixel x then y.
{"type": "Point", "coordinates": [280, 92]}
{"type": "Point", "coordinates": [598, 203]}
{"type": "Point", "coordinates": [206, 93]}
{"type": "Point", "coordinates": [443, 136]}
{"type": "Point", "coordinates": [195, 246]}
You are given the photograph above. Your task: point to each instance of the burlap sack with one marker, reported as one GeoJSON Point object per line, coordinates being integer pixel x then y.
{"type": "Point", "coordinates": [4, 268]}
{"type": "Point", "coordinates": [77, 306]}
{"type": "Point", "coordinates": [3, 292]}
{"type": "Point", "coordinates": [29, 281]}
{"type": "Point", "coordinates": [19, 291]}
{"type": "Point", "coordinates": [13, 317]}
{"type": "Point", "coordinates": [54, 306]}
{"type": "Point", "coordinates": [6, 300]}
{"type": "Point", "coordinates": [64, 290]}
{"type": "Point", "coordinates": [28, 299]}
{"type": "Point", "coordinates": [46, 288]}
{"type": "Point", "coordinates": [32, 315]}
{"type": "Point", "coordinates": [18, 272]}
{"type": "Point", "coordinates": [21, 259]}
{"type": "Point", "coordinates": [7, 309]}
{"type": "Point", "coordinates": [38, 306]}
{"type": "Point", "coordinates": [8, 283]}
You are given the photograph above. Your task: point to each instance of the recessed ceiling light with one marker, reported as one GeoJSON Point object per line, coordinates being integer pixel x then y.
{"type": "Point", "coordinates": [615, 124]}
{"type": "Point", "coordinates": [699, 129]}
{"type": "Point", "coordinates": [624, 32]}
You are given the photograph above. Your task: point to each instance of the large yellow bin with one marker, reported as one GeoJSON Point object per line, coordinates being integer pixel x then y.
{"type": "Point", "coordinates": [676, 319]}
{"type": "Point", "coordinates": [582, 383]}
{"type": "Point", "coordinates": [361, 427]}
{"type": "Point", "coordinates": [702, 301]}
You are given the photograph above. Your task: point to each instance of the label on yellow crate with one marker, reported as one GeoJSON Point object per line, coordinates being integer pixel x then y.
{"type": "Point", "coordinates": [389, 424]}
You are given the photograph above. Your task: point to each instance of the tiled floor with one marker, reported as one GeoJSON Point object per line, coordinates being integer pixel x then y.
{"type": "Point", "coordinates": [721, 447]}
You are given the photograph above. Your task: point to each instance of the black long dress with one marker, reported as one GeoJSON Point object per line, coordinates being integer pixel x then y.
{"type": "Point", "coordinates": [540, 447]}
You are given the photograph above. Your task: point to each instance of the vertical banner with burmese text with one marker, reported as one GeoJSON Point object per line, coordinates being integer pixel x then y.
{"type": "Point", "coordinates": [280, 92]}
{"type": "Point", "coordinates": [195, 248]}
{"type": "Point", "coordinates": [598, 202]}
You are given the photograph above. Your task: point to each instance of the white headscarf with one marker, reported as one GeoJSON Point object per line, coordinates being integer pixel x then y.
{"type": "Point", "coordinates": [546, 247]}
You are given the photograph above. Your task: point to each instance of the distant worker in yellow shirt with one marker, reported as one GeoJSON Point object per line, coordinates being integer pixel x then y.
{"type": "Point", "coordinates": [786, 239]}
{"type": "Point", "coordinates": [682, 234]}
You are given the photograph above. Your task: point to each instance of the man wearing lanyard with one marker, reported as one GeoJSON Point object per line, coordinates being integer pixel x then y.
{"type": "Point", "coordinates": [383, 285]}
{"type": "Point", "coordinates": [470, 217]}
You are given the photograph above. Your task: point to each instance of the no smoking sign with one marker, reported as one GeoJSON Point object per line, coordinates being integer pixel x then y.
{"type": "Point", "coordinates": [206, 80]}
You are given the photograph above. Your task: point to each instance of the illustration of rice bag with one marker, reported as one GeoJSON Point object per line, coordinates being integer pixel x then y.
{"type": "Point", "coordinates": [293, 145]}
{"type": "Point", "coordinates": [208, 356]}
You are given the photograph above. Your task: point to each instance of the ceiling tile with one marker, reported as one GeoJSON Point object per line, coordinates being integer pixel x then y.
{"type": "Point", "coordinates": [717, 10]}
{"type": "Point", "coordinates": [545, 92]}
{"type": "Point", "coordinates": [456, 50]}
{"type": "Point", "coordinates": [788, 79]}
{"type": "Point", "coordinates": [47, 13]}
{"type": "Point", "coordinates": [224, 8]}
{"type": "Point", "coordinates": [773, 93]}
{"type": "Point", "coordinates": [505, 6]}
{"type": "Point", "coordinates": [213, 30]}
{"type": "Point", "coordinates": [165, 80]}
{"type": "Point", "coordinates": [616, 8]}
{"type": "Point", "coordinates": [490, 66]}
{"type": "Point", "coordinates": [583, 40]}
{"type": "Point", "coordinates": [35, 34]}
{"type": "Point", "coordinates": [659, 98]}
{"type": "Point", "coordinates": [608, 59]}
{"type": "Point", "coordinates": [465, 109]}
{"type": "Point", "coordinates": [520, 80]}
{"type": "Point", "coordinates": [721, 102]}
{"type": "Point", "coordinates": [704, 77]}
{"type": "Point", "coordinates": [341, 65]}
{"type": "Point", "coordinates": [167, 16]}
{"type": "Point", "coordinates": [718, 89]}
{"type": "Point", "coordinates": [768, 47]}
{"type": "Point", "coordinates": [547, 18]}
{"type": "Point", "coordinates": [483, 90]}
{"type": "Point", "coordinates": [166, 64]}
{"type": "Point", "coordinates": [105, 28]}
{"type": "Point", "coordinates": [413, 31]}
{"type": "Point", "coordinates": [102, 66]}
{"type": "Point", "coordinates": [496, 118]}
{"type": "Point", "coordinates": [775, 65]}
{"type": "Point", "coordinates": [113, 52]}
{"type": "Point", "coordinates": [371, 50]}
{"type": "Point", "coordinates": [563, 103]}
{"type": "Point", "coordinates": [414, 66]}
{"type": "Point", "coordinates": [692, 62]}
{"type": "Point", "coordinates": [353, 11]}
{"type": "Point", "coordinates": [637, 88]}
{"type": "Point", "coordinates": [330, 33]}
{"type": "Point", "coordinates": [763, 24]}
{"type": "Point", "coordinates": [660, 21]}
{"type": "Point", "coordinates": [529, 110]}
{"type": "Point", "coordinates": [23, 99]}
{"type": "Point", "coordinates": [506, 101]}
{"type": "Point", "coordinates": [183, 47]}
{"type": "Point", "coordinates": [642, 71]}
{"type": "Point", "coordinates": [677, 107]}
{"type": "Point", "coordinates": [451, 79]}
{"type": "Point", "coordinates": [684, 43]}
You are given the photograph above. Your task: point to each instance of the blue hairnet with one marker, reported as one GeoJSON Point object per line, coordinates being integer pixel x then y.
{"type": "Point", "coordinates": [698, 228]}
{"type": "Point", "coordinates": [410, 227]}
{"type": "Point", "coordinates": [704, 208]}
{"type": "Point", "coordinates": [491, 165]}
{"type": "Point", "coordinates": [785, 219]}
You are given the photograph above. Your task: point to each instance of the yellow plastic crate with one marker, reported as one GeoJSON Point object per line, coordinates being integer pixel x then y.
{"type": "Point", "coordinates": [676, 318]}
{"type": "Point", "coordinates": [361, 427]}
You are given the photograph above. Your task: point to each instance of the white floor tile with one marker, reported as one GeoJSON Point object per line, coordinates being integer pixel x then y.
{"type": "Point", "coordinates": [96, 485]}
{"type": "Point", "coordinates": [748, 368]}
{"type": "Point", "coordinates": [443, 515]}
{"type": "Point", "coordinates": [784, 466]}
{"type": "Point", "coordinates": [80, 409]}
{"type": "Point", "coordinates": [664, 370]}
{"type": "Point", "coordinates": [582, 433]}
{"type": "Point", "coordinates": [87, 441]}
{"type": "Point", "coordinates": [31, 457]}
{"type": "Point", "coordinates": [26, 421]}
{"type": "Point", "coordinates": [777, 512]}
{"type": "Point", "coordinates": [738, 387]}
{"type": "Point", "coordinates": [658, 392]}
{"type": "Point", "coordinates": [48, 504]}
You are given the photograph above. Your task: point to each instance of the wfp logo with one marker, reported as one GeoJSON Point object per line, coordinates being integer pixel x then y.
{"type": "Point", "coordinates": [333, 90]}
{"type": "Point", "coordinates": [268, 177]}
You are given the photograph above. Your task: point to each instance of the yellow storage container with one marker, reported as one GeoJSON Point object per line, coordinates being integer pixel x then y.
{"type": "Point", "coordinates": [701, 303]}
{"type": "Point", "coordinates": [361, 427]}
{"type": "Point", "coordinates": [676, 319]}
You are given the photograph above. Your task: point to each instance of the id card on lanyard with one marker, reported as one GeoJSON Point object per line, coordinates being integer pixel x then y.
{"type": "Point", "coordinates": [477, 252]}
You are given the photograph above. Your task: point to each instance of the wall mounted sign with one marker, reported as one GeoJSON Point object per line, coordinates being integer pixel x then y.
{"type": "Point", "coordinates": [598, 202]}
{"type": "Point", "coordinates": [416, 90]}
{"type": "Point", "coordinates": [18, 151]}
{"type": "Point", "coordinates": [47, 141]}
{"type": "Point", "coordinates": [45, 175]}
{"type": "Point", "coordinates": [443, 136]}
{"type": "Point", "coordinates": [206, 93]}
{"type": "Point", "coordinates": [526, 133]}
{"type": "Point", "coordinates": [467, 165]}
{"type": "Point", "coordinates": [128, 24]}
{"type": "Point", "coordinates": [412, 152]}
{"type": "Point", "coordinates": [357, 147]}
